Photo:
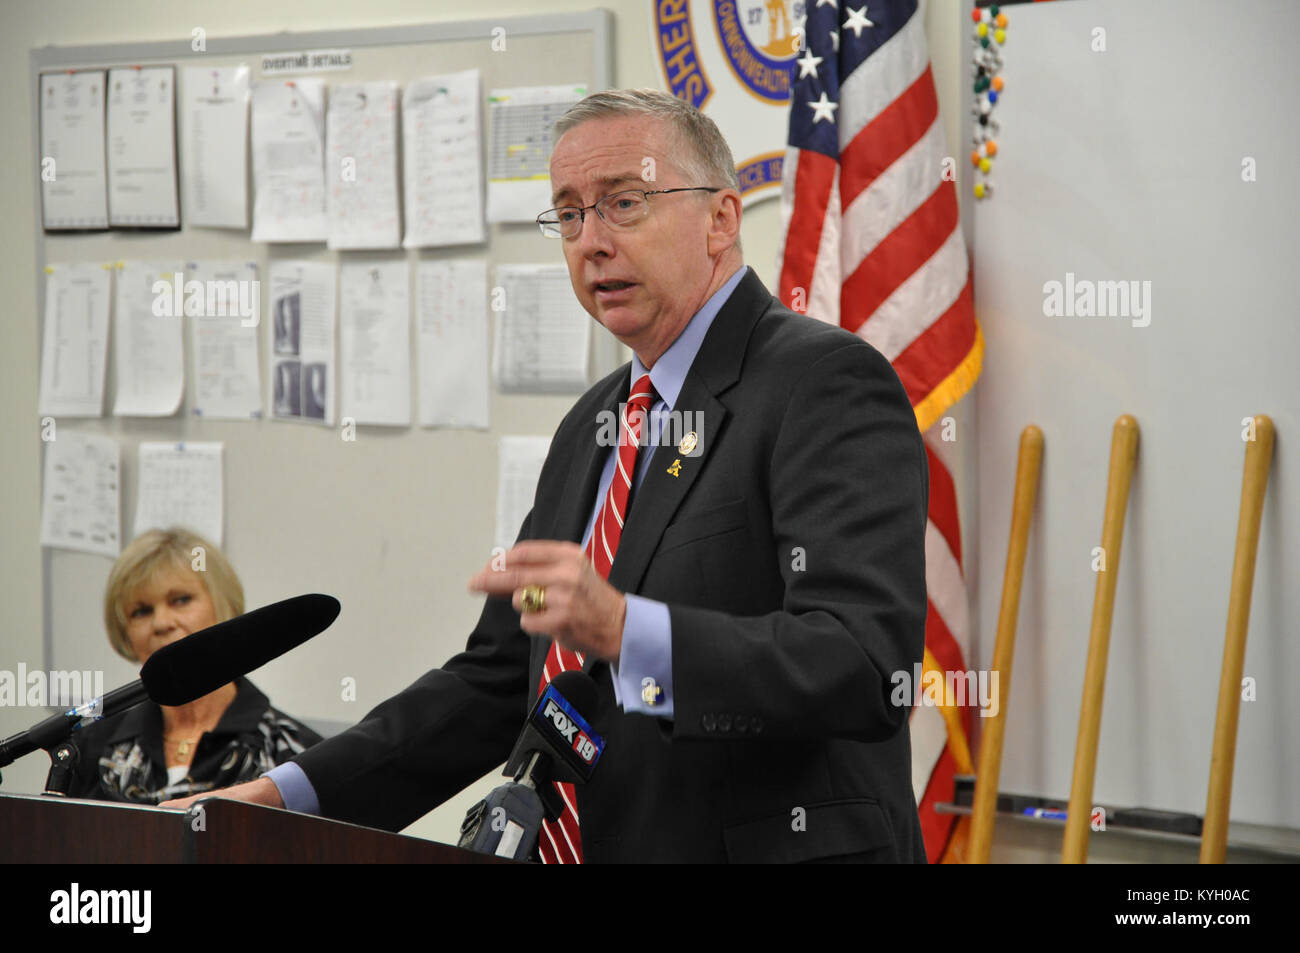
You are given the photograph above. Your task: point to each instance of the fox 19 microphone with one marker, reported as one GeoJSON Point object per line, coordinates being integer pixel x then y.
{"type": "Point", "coordinates": [556, 745]}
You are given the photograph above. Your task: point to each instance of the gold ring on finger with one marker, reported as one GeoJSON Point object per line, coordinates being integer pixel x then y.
{"type": "Point", "coordinates": [534, 599]}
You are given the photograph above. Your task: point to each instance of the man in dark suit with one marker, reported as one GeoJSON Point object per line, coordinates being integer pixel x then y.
{"type": "Point", "coordinates": [766, 575]}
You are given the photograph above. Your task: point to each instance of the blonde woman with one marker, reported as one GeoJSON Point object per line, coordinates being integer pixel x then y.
{"type": "Point", "coordinates": [166, 585]}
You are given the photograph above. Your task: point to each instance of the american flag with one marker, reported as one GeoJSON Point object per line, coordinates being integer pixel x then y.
{"type": "Point", "coordinates": [872, 242]}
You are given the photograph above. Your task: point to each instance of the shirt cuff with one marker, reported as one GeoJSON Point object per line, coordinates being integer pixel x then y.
{"type": "Point", "coordinates": [296, 791]}
{"type": "Point", "coordinates": [646, 658]}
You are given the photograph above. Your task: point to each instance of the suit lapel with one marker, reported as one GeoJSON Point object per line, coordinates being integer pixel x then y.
{"type": "Point", "coordinates": [654, 503]}
{"type": "Point", "coordinates": [671, 475]}
{"type": "Point", "coordinates": [661, 492]}
{"type": "Point", "coordinates": [587, 459]}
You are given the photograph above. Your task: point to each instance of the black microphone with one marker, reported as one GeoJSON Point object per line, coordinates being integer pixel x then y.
{"type": "Point", "coordinates": [201, 663]}
{"type": "Point", "coordinates": [191, 667]}
{"type": "Point", "coordinates": [557, 744]}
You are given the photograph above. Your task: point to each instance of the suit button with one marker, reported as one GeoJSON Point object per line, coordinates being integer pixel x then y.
{"type": "Point", "coordinates": [757, 725]}
{"type": "Point", "coordinates": [742, 723]}
{"type": "Point", "coordinates": [707, 722]}
{"type": "Point", "coordinates": [724, 722]}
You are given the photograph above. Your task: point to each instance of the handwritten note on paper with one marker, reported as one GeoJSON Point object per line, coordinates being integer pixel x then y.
{"type": "Point", "coordinates": [361, 166]}
{"type": "Point", "coordinates": [74, 190]}
{"type": "Point", "coordinates": [149, 343]}
{"type": "Point", "coordinates": [289, 161]}
{"type": "Point", "coordinates": [519, 464]}
{"type": "Point", "coordinates": [180, 485]}
{"type": "Point", "coordinates": [74, 353]}
{"type": "Point", "coordinates": [443, 161]}
{"type": "Point", "coordinates": [543, 337]}
{"type": "Point", "coordinates": [452, 321]}
{"type": "Point", "coordinates": [80, 500]}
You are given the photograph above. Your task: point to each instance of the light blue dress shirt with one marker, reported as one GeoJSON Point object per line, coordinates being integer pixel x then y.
{"type": "Point", "coordinates": [647, 629]}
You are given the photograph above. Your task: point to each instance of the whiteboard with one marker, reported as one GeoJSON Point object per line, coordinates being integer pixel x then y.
{"type": "Point", "coordinates": [1127, 165]}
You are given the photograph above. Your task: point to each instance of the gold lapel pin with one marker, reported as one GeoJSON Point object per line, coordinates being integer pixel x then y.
{"type": "Point", "coordinates": [676, 468]}
{"type": "Point", "coordinates": [689, 442]}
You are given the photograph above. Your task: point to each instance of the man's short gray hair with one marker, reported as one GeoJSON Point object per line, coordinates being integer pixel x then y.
{"type": "Point", "coordinates": [704, 156]}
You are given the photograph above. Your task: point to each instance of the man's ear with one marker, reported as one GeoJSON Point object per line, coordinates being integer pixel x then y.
{"type": "Point", "coordinates": [724, 226]}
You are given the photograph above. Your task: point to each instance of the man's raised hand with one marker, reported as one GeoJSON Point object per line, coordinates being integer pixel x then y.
{"type": "Point", "coordinates": [582, 612]}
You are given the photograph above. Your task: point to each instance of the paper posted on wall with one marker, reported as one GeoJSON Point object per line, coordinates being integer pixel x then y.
{"type": "Point", "coordinates": [226, 379]}
{"type": "Point", "coordinates": [74, 352]}
{"type": "Point", "coordinates": [289, 161]}
{"type": "Point", "coordinates": [141, 134]}
{"type": "Point", "coordinates": [302, 318]}
{"type": "Point", "coordinates": [74, 190]}
{"type": "Point", "coordinates": [522, 125]}
{"type": "Point", "coordinates": [452, 321]}
{"type": "Point", "coordinates": [375, 342]}
{"type": "Point", "coordinates": [180, 484]}
{"type": "Point", "coordinates": [519, 465]}
{"type": "Point", "coordinates": [148, 339]}
{"type": "Point", "coordinates": [361, 166]}
{"type": "Point", "coordinates": [81, 494]}
{"type": "Point", "coordinates": [214, 150]}
{"type": "Point", "coordinates": [443, 160]}
{"type": "Point", "coordinates": [543, 335]}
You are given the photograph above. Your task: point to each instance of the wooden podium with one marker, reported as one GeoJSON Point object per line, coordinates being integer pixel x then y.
{"type": "Point", "coordinates": [52, 830]}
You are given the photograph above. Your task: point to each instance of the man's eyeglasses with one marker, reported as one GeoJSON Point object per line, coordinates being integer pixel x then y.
{"type": "Point", "coordinates": [618, 208]}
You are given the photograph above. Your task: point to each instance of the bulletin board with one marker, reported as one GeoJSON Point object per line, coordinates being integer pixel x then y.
{"type": "Point", "coordinates": [392, 523]}
{"type": "Point", "coordinates": [1110, 167]}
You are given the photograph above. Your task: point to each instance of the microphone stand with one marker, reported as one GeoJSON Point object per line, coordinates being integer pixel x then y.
{"type": "Point", "coordinates": [64, 759]}
{"type": "Point", "coordinates": [56, 735]}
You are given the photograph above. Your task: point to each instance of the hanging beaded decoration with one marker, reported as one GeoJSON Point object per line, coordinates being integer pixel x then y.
{"type": "Point", "coordinates": [990, 35]}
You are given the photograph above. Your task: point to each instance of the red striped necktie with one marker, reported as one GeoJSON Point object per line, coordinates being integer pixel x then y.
{"type": "Point", "coordinates": [561, 841]}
